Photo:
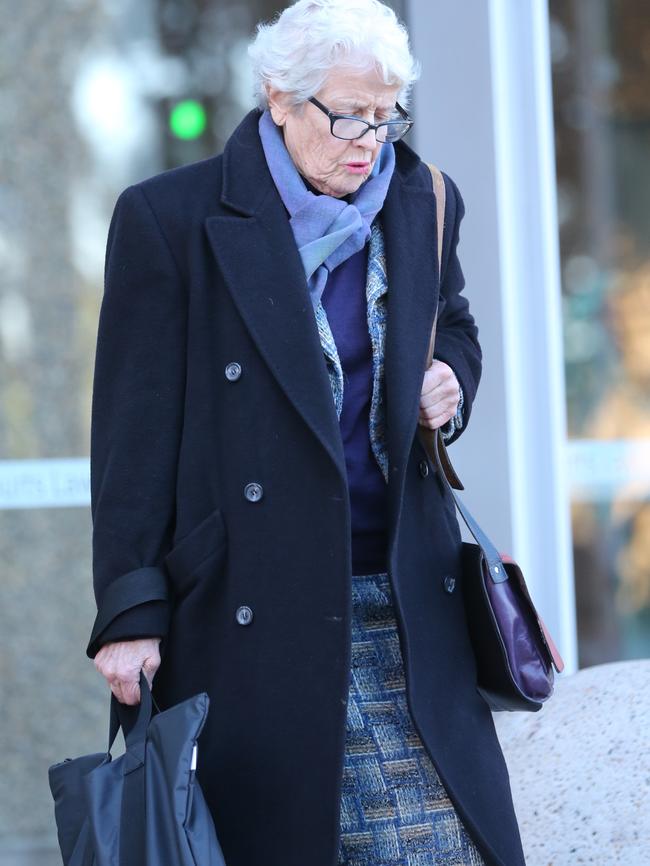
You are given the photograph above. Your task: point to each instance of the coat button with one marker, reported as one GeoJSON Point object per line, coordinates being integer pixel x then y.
{"type": "Point", "coordinates": [450, 583]}
{"type": "Point", "coordinates": [253, 491]}
{"type": "Point", "coordinates": [233, 371]}
{"type": "Point", "coordinates": [244, 615]}
{"type": "Point", "coordinates": [424, 468]}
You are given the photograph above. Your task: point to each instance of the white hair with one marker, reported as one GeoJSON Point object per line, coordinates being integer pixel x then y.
{"type": "Point", "coordinates": [298, 49]}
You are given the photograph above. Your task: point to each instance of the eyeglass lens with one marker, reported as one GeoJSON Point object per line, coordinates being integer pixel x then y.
{"type": "Point", "coordinates": [351, 129]}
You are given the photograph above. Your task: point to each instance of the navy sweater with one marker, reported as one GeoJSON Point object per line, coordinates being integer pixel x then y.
{"type": "Point", "coordinates": [344, 300]}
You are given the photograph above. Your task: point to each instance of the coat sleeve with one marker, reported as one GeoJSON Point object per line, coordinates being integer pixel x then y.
{"type": "Point", "coordinates": [457, 335]}
{"type": "Point", "coordinates": [136, 425]}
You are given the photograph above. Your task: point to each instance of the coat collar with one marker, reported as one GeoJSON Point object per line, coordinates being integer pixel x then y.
{"type": "Point", "coordinates": [254, 247]}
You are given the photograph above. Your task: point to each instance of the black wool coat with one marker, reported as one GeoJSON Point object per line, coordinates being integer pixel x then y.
{"type": "Point", "coordinates": [221, 517]}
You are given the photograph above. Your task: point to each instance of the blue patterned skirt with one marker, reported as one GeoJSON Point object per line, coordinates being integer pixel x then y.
{"type": "Point", "coordinates": [394, 808]}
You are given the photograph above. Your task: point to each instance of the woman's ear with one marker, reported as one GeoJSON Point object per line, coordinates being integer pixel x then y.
{"type": "Point", "coordinates": [278, 105]}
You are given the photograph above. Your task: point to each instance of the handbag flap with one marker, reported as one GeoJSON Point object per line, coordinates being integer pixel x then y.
{"type": "Point", "coordinates": [553, 652]}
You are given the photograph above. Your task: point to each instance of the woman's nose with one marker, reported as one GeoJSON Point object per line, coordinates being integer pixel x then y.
{"type": "Point", "coordinates": [364, 141]}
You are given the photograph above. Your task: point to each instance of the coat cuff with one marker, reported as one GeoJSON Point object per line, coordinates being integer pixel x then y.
{"type": "Point", "coordinates": [150, 619]}
{"type": "Point", "coordinates": [143, 594]}
{"type": "Point", "coordinates": [456, 422]}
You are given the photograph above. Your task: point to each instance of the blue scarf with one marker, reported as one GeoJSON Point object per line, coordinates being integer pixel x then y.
{"type": "Point", "coordinates": [327, 230]}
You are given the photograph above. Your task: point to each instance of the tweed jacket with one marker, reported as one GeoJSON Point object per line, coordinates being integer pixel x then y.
{"type": "Point", "coordinates": [376, 292]}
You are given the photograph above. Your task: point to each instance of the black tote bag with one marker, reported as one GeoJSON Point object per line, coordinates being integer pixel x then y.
{"type": "Point", "coordinates": [145, 808]}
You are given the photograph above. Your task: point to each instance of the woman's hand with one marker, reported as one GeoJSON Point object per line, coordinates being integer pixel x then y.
{"type": "Point", "coordinates": [439, 397]}
{"type": "Point", "coordinates": [121, 662]}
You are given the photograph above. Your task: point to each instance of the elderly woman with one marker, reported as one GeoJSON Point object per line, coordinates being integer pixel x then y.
{"type": "Point", "coordinates": [267, 526]}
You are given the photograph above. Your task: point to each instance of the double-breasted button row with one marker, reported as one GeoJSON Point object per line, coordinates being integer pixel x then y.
{"type": "Point", "coordinates": [244, 615]}
{"type": "Point", "coordinates": [424, 468]}
{"type": "Point", "coordinates": [233, 371]}
{"type": "Point", "coordinates": [253, 491]}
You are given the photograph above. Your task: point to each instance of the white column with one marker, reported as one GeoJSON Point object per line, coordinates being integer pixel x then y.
{"type": "Point", "coordinates": [483, 112]}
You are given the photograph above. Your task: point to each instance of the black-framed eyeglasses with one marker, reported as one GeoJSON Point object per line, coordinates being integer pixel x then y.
{"type": "Point", "coordinates": [348, 127]}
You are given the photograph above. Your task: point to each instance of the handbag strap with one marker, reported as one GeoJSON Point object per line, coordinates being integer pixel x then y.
{"type": "Point", "coordinates": [440, 193]}
{"type": "Point", "coordinates": [494, 562]}
{"type": "Point", "coordinates": [134, 721]}
{"type": "Point", "coordinates": [432, 439]}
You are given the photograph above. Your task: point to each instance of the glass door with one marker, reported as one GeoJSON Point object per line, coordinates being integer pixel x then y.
{"type": "Point", "coordinates": [601, 76]}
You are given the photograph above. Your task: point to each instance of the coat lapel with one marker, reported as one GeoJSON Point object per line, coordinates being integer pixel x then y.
{"type": "Point", "coordinates": [409, 223]}
{"type": "Point", "coordinates": [254, 247]}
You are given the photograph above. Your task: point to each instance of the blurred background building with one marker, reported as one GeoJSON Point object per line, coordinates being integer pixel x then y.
{"type": "Point", "coordinates": [541, 113]}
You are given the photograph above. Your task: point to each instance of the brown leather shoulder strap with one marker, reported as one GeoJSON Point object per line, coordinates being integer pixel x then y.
{"type": "Point", "coordinates": [439, 454]}
{"type": "Point", "coordinates": [441, 194]}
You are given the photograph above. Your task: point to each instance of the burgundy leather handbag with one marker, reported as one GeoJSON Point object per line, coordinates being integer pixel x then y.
{"type": "Point", "coordinates": [515, 654]}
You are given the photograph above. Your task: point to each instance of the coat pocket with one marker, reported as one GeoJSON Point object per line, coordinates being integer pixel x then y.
{"type": "Point", "coordinates": [202, 546]}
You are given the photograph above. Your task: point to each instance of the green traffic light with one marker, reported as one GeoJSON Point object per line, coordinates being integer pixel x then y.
{"type": "Point", "coordinates": [188, 119]}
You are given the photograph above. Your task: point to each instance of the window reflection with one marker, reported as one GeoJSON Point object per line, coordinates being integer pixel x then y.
{"type": "Point", "coordinates": [601, 69]}
{"type": "Point", "coordinates": [89, 89]}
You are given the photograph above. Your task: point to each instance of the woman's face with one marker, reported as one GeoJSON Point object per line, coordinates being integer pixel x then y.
{"type": "Point", "coordinates": [333, 166]}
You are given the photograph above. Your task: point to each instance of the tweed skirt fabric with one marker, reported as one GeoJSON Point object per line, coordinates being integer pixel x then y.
{"type": "Point", "coordinates": [394, 808]}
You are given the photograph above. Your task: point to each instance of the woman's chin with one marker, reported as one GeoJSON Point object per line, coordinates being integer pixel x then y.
{"type": "Point", "coordinates": [349, 184]}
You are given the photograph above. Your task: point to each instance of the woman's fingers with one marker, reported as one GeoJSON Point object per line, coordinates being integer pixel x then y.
{"type": "Point", "coordinates": [131, 693]}
{"type": "Point", "coordinates": [439, 397]}
{"type": "Point", "coordinates": [439, 384]}
{"type": "Point", "coordinates": [436, 421]}
{"type": "Point", "coordinates": [116, 688]}
{"type": "Point", "coordinates": [151, 664]}
{"type": "Point", "coordinates": [124, 692]}
{"type": "Point", "coordinates": [120, 663]}
{"type": "Point", "coordinates": [447, 406]}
